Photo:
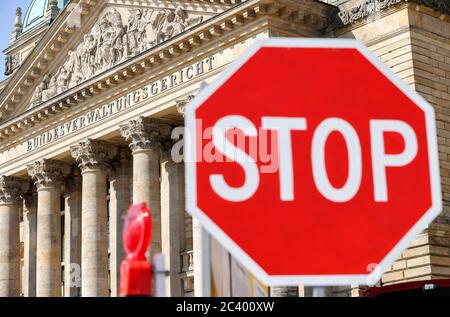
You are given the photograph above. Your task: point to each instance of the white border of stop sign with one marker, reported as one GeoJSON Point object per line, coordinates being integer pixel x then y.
{"type": "Point", "coordinates": [310, 280]}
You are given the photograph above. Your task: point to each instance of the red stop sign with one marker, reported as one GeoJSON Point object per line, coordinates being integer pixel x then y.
{"type": "Point", "coordinates": [312, 163]}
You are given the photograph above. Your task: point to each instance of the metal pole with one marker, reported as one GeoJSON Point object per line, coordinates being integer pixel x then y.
{"type": "Point", "coordinates": [160, 275]}
{"type": "Point", "coordinates": [206, 263]}
{"type": "Point", "coordinates": [319, 292]}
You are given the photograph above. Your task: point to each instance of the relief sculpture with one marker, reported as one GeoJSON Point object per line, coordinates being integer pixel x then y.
{"type": "Point", "coordinates": [111, 41]}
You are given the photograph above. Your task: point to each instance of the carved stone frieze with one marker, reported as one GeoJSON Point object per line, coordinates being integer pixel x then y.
{"type": "Point", "coordinates": [111, 41]}
{"type": "Point", "coordinates": [12, 62]}
{"type": "Point", "coordinates": [368, 7]}
{"type": "Point", "coordinates": [439, 5]}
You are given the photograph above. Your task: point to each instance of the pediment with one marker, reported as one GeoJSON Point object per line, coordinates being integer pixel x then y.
{"type": "Point", "coordinates": [116, 33]}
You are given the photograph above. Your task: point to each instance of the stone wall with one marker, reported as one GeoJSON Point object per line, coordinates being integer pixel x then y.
{"type": "Point", "coordinates": [426, 68]}
{"type": "Point", "coordinates": [415, 42]}
{"type": "Point", "coordinates": [431, 61]}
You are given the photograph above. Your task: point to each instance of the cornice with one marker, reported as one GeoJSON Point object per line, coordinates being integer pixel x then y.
{"type": "Point", "coordinates": [367, 8]}
{"type": "Point", "coordinates": [158, 56]}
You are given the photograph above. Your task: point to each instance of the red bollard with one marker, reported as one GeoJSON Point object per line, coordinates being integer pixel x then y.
{"type": "Point", "coordinates": [136, 270]}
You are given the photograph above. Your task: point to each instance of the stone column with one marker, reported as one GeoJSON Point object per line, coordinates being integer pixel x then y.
{"type": "Point", "coordinates": [144, 135]}
{"type": "Point", "coordinates": [94, 157]}
{"type": "Point", "coordinates": [119, 204]}
{"type": "Point", "coordinates": [30, 236]}
{"type": "Point", "coordinates": [72, 243]}
{"type": "Point", "coordinates": [10, 203]}
{"type": "Point", "coordinates": [172, 220]}
{"type": "Point", "coordinates": [48, 176]}
{"type": "Point", "coordinates": [199, 237]}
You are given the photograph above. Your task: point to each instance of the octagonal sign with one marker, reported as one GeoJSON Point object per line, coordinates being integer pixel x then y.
{"type": "Point", "coordinates": [311, 162]}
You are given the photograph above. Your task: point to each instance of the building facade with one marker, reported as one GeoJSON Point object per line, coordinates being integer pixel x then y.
{"type": "Point", "coordinates": [94, 91]}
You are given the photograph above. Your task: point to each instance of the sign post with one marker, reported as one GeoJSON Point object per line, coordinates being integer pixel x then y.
{"type": "Point", "coordinates": [206, 263]}
{"type": "Point", "coordinates": [305, 180]}
{"type": "Point", "coordinates": [204, 289]}
{"type": "Point", "coordinates": [319, 292]}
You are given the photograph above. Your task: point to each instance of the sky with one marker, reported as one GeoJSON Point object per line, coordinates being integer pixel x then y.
{"type": "Point", "coordinates": [7, 17]}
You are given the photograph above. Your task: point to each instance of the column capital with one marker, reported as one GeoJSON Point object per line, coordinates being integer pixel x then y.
{"type": "Point", "coordinates": [93, 154]}
{"type": "Point", "coordinates": [11, 189]}
{"type": "Point", "coordinates": [145, 133]}
{"type": "Point", "coordinates": [48, 173]}
{"type": "Point", "coordinates": [182, 104]}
